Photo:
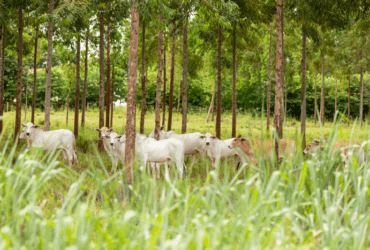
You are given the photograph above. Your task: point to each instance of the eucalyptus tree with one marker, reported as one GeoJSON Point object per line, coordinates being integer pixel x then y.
{"type": "Point", "coordinates": [131, 91]}
{"type": "Point", "coordinates": [3, 19]}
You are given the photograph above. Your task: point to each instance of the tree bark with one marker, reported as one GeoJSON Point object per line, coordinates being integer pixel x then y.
{"type": "Point", "coordinates": [67, 106]}
{"type": "Point", "coordinates": [164, 87]}
{"type": "Point", "coordinates": [170, 106]}
{"type": "Point", "coordinates": [19, 75]}
{"type": "Point", "coordinates": [25, 106]}
{"type": "Point", "coordinates": [185, 79]}
{"type": "Point", "coordinates": [143, 87]}
{"type": "Point", "coordinates": [48, 70]}
{"type": "Point", "coordinates": [278, 111]}
{"type": "Point", "coordinates": [178, 99]}
{"type": "Point", "coordinates": [85, 80]}
{"type": "Point", "coordinates": [269, 83]}
{"type": "Point", "coordinates": [233, 132]}
{"type": "Point", "coordinates": [349, 98]}
{"type": "Point", "coordinates": [34, 77]}
{"type": "Point", "coordinates": [335, 105]}
{"type": "Point", "coordinates": [322, 100]}
{"type": "Point", "coordinates": [77, 99]}
{"type": "Point", "coordinates": [108, 94]}
{"type": "Point", "coordinates": [219, 83]}
{"type": "Point", "coordinates": [211, 106]}
{"type": "Point", "coordinates": [361, 92]}
{"type": "Point", "coordinates": [315, 111]}
{"type": "Point", "coordinates": [111, 101]}
{"type": "Point", "coordinates": [101, 79]}
{"type": "Point", "coordinates": [2, 75]}
{"type": "Point", "coordinates": [303, 92]}
{"type": "Point", "coordinates": [131, 93]}
{"type": "Point", "coordinates": [159, 81]}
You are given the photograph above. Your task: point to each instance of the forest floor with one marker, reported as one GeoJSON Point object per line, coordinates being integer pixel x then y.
{"type": "Point", "coordinates": [303, 203]}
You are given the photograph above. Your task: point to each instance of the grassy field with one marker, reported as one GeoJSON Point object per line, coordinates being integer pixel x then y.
{"type": "Point", "coordinates": [304, 203]}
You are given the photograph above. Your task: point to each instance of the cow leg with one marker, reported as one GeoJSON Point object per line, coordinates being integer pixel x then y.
{"type": "Point", "coordinates": [236, 162]}
{"type": "Point", "coordinates": [65, 157]}
{"type": "Point", "coordinates": [157, 166]}
{"type": "Point", "coordinates": [179, 167]}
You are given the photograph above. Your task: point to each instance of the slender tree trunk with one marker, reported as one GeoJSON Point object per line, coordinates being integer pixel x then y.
{"type": "Point", "coordinates": [143, 80]}
{"type": "Point", "coordinates": [164, 87]}
{"type": "Point", "coordinates": [303, 92]}
{"type": "Point", "coordinates": [2, 75]}
{"type": "Point", "coordinates": [101, 80]}
{"type": "Point", "coordinates": [283, 88]}
{"type": "Point", "coordinates": [178, 99]}
{"type": "Point", "coordinates": [77, 99]}
{"type": "Point", "coordinates": [315, 111]}
{"type": "Point", "coordinates": [34, 77]}
{"type": "Point", "coordinates": [269, 82]}
{"type": "Point", "coordinates": [107, 95]}
{"type": "Point", "coordinates": [131, 93]}
{"type": "Point", "coordinates": [278, 111]}
{"type": "Point", "coordinates": [185, 79]}
{"type": "Point", "coordinates": [25, 106]}
{"type": "Point", "coordinates": [211, 106]}
{"type": "Point", "coordinates": [48, 71]}
{"type": "Point", "coordinates": [233, 132]}
{"type": "Point", "coordinates": [159, 81]}
{"type": "Point", "coordinates": [85, 80]}
{"type": "Point", "coordinates": [67, 106]}
{"type": "Point", "coordinates": [219, 83]}
{"type": "Point", "coordinates": [335, 105]}
{"type": "Point", "coordinates": [19, 76]}
{"type": "Point", "coordinates": [322, 100]}
{"type": "Point", "coordinates": [170, 107]}
{"type": "Point", "coordinates": [349, 99]}
{"type": "Point", "coordinates": [286, 100]}
{"type": "Point", "coordinates": [361, 92]}
{"type": "Point", "coordinates": [112, 94]}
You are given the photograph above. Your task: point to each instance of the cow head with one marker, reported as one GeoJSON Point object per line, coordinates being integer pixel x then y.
{"type": "Point", "coordinates": [114, 139]}
{"type": "Point", "coordinates": [312, 146]}
{"type": "Point", "coordinates": [104, 131]}
{"type": "Point", "coordinates": [208, 139]}
{"type": "Point", "coordinates": [23, 135]}
{"type": "Point", "coordinates": [237, 142]}
{"type": "Point", "coordinates": [29, 128]}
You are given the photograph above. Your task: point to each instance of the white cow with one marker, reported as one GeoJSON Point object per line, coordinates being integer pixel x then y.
{"type": "Point", "coordinates": [61, 139]}
{"type": "Point", "coordinates": [219, 149]}
{"type": "Point", "coordinates": [163, 151]}
{"type": "Point", "coordinates": [162, 134]}
{"type": "Point", "coordinates": [104, 133]}
{"type": "Point", "coordinates": [193, 144]}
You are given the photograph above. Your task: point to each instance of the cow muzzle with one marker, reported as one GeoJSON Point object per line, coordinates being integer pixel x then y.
{"type": "Point", "coordinates": [27, 134]}
{"type": "Point", "coordinates": [207, 143]}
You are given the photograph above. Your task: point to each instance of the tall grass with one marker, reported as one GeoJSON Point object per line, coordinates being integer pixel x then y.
{"type": "Point", "coordinates": [304, 203]}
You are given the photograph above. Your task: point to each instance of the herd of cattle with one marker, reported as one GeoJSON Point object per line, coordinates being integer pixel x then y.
{"type": "Point", "coordinates": [173, 147]}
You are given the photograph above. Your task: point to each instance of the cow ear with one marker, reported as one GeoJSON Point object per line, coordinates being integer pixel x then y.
{"type": "Point", "coordinates": [110, 130]}
{"type": "Point", "coordinates": [239, 136]}
{"type": "Point", "coordinates": [316, 142]}
{"type": "Point", "coordinates": [213, 137]}
{"type": "Point", "coordinates": [202, 137]}
{"type": "Point", "coordinates": [24, 125]}
{"type": "Point", "coordinates": [118, 137]}
{"type": "Point", "coordinates": [98, 130]}
{"type": "Point", "coordinates": [35, 126]}
{"type": "Point", "coordinates": [243, 139]}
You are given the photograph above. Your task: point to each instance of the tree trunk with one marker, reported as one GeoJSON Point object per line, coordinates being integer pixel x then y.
{"type": "Point", "coordinates": [2, 75]}
{"type": "Point", "coordinates": [112, 94]}
{"type": "Point", "coordinates": [283, 87]}
{"type": "Point", "coordinates": [143, 80]}
{"type": "Point", "coordinates": [159, 81]}
{"type": "Point", "coordinates": [25, 106]}
{"type": "Point", "coordinates": [48, 71]}
{"type": "Point", "coordinates": [18, 109]}
{"type": "Point", "coordinates": [178, 99]}
{"type": "Point", "coordinates": [349, 99]}
{"type": "Point", "coordinates": [285, 102]}
{"type": "Point", "coordinates": [170, 106]}
{"type": "Point", "coordinates": [211, 106]}
{"type": "Point", "coordinates": [77, 99]}
{"type": "Point", "coordinates": [361, 92]}
{"type": "Point", "coordinates": [101, 79]}
{"type": "Point", "coordinates": [269, 83]}
{"type": "Point", "coordinates": [315, 111]}
{"type": "Point", "coordinates": [278, 111]}
{"type": "Point", "coordinates": [107, 95]}
{"type": "Point", "coordinates": [131, 93]}
{"type": "Point", "coordinates": [303, 92]}
{"type": "Point", "coordinates": [322, 100]}
{"type": "Point", "coordinates": [219, 83]}
{"type": "Point", "coordinates": [85, 80]}
{"type": "Point", "coordinates": [34, 77]}
{"type": "Point", "coordinates": [233, 132]}
{"type": "Point", "coordinates": [335, 105]}
{"type": "Point", "coordinates": [67, 105]}
{"type": "Point", "coordinates": [185, 79]}
{"type": "Point", "coordinates": [164, 87]}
